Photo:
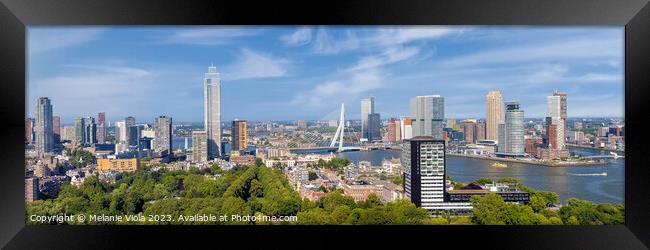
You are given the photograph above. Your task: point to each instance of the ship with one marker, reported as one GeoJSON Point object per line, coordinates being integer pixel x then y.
{"type": "Point", "coordinates": [499, 165]}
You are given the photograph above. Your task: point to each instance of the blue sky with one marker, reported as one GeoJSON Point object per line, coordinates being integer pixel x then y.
{"type": "Point", "coordinates": [291, 72]}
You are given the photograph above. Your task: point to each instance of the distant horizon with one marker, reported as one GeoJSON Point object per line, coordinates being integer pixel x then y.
{"type": "Point", "coordinates": [289, 73]}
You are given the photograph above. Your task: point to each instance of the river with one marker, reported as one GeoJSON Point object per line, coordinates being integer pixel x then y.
{"type": "Point", "coordinates": [561, 180]}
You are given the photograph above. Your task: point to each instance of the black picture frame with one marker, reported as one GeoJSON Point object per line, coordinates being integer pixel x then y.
{"type": "Point", "coordinates": [15, 15]}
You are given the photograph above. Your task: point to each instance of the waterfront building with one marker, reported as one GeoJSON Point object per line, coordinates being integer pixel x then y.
{"type": "Point", "coordinates": [44, 135]}
{"type": "Point", "coordinates": [532, 144]}
{"type": "Point", "coordinates": [423, 160]}
{"type": "Point", "coordinates": [162, 143]}
{"type": "Point", "coordinates": [199, 146]}
{"type": "Point", "coordinates": [29, 130]}
{"type": "Point", "coordinates": [427, 113]}
{"type": "Point", "coordinates": [469, 129]}
{"type": "Point", "coordinates": [367, 108]}
{"type": "Point", "coordinates": [513, 130]}
{"type": "Point", "coordinates": [557, 112]}
{"type": "Point", "coordinates": [374, 127]}
{"type": "Point", "coordinates": [493, 114]}
{"type": "Point", "coordinates": [31, 189]}
{"type": "Point", "coordinates": [479, 132]}
{"type": "Point", "coordinates": [118, 165]}
{"type": "Point", "coordinates": [239, 135]}
{"type": "Point", "coordinates": [393, 132]}
{"type": "Point", "coordinates": [101, 127]}
{"type": "Point", "coordinates": [56, 129]}
{"type": "Point", "coordinates": [212, 111]}
{"type": "Point", "coordinates": [406, 127]}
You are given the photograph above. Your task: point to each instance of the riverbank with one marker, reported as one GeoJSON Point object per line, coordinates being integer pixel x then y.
{"type": "Point", "coordinates": [590, 147]}
{"type": "Point", "coordinates": [532, 162]}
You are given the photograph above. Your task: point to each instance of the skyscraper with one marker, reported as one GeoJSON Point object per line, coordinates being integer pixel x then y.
{"type": "Point", "coordinates": [56, 128]}
{"type": "Point", "coordinates": [212, 111]}
{"type": "Point", "coordinates": [44, 135]}
{"type": "Point", "coordinates": [394, 131]}
{"type": "Point", "coordinates": [199, 146]}
{"type": "Point", "coordinates": [162, 143]}
{"type": "Point", "coordinates": [423, 161]}
{"type": "Point", "coordinates": [90, 131]}
{"type": "Point", "coordinates": [514, 129]}
{"type": "Point", "coordinates": [79, 130]}
{"type": "Point", "coordinates": [374, 127]}
{"type": "Point", "coordinates": [406, 127]}
{"type": "Point", "coordinates": [29, 130]}
{"type": "Point", "coordinates": [122, 138]}
{"type": "Point", "coordinates": [239, 135]}
{"type": "Point", "coordinates": [479, 132]}
{"type": "Point", "coordinates": [101, 127]}
{"type": "Point", "coordinates": [469, 130]}
{"type": "Point", "coordinates": [367, 107]}
{"type": "Point", "coordinates": [427, 113]}
{"type": "Point", "coordinates": [493, 114]}
{"type": "Point", "coordinates": [556, 115]}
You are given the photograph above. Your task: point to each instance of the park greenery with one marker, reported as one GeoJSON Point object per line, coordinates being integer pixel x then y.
{"type": "Point", "coordinates": [258, 190]}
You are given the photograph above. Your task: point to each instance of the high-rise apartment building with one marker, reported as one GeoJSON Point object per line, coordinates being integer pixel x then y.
{"type": "Point", "coordinates": [406, 127]}
{"type": "Point", "coordinates": [162, 143]}
{"type": "Point", "coordinates": [374, 127]}
{"type": "Point", "coordinates": [479, 132]}
{"type": "Point", "coordinates": [393, 133]}
{"type": "Point", "coordinates": [212, 111]}
{"type": "Point", "coordinates": [29, 130]}
{"type": "Point", "coordinates": [493, 114]}
{"type": "Point", "coordinates": [199, 146]}
{"type": "Point", "coordinates": [428, 113]}
{"type": "Point", "coordinates": [90, 131]}
{"type": "Point", "coordinates": [423, 161]}
{"type": "Point", "coordinates": [31, 189]}
{"type": "Point", "coordinates": [514, 129]}
{"type": "Point", "coordinates": [44, 134]}
{"type": "Point", "coordinates": [469, 130]}
{"type": "Point", "coordinates": [239, 135]}
{"type": "Point", "coordinates": [79, 130]}
{"type": "Point", "coordinates": [367, 108]}
{"type": "Point", "coordinates": [556, 115]}
{"type": "Point", "coordinates": [302, 124]}
{"type": "Point", "coordinates": [101, 127]}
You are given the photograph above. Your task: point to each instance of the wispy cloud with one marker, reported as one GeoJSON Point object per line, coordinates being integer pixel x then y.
{"type": "Point", "coordinates": [252, 64]}
{"type": "Point", "coordinates": [380, 38]}
{"type": "Point", "coordinates": [580, 49]}
{"type": "Point", "coordinates": [43, 40]}
{"type": "Point", "coordinates": [299, 37]}
{"type": "Point", "coordinates": [98, 88]}
{"type": "Point", "coordinates": [207, 36]}
{"type": "Point", "coordinates": [347, 88]}
{"type": "Point", "coordinates": [390, 55]}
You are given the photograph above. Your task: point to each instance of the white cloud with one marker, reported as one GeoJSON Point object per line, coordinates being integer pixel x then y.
{"type": "Point", "coordinates": [43, 40]}
{"type": "Point", "coordinates": [208, 36]}
{"type": "Point", "coordinates": [348, 88]}
{"type": "Point", "coordinates": [251, 64]}
{"type": "Point", "coordinates": [325, 44]}
{"type": "Point", "coordinates": [84, 90]}
{"type": "Point", "coordinates": [300, 37]}
{"type": "Point", "coordinates": [581, 49]}
{"type": "Point", "coordinates": [388, 56]}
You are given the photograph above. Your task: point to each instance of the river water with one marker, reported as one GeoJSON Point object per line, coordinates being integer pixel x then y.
{"type": "Point", "coordinates": [565, 181]}
{"type": "Point", "coordinates": [561, 180]}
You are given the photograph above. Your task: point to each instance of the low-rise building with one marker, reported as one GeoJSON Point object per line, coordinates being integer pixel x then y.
{"type": "Point", "coordinates": [118, 165]}
{"type": "Point", "coordinates": [359, 190]}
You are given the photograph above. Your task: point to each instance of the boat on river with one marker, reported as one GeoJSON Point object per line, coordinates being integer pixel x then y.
{"type": "Point", "coordinates": [499, 165]}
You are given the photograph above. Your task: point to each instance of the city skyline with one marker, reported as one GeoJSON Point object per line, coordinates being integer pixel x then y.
{"type": "Point", "coordinates": [304, 70]}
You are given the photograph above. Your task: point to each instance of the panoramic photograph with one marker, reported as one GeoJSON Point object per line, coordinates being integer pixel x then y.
{"type": "Point", "coordinates": [324, 125]}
